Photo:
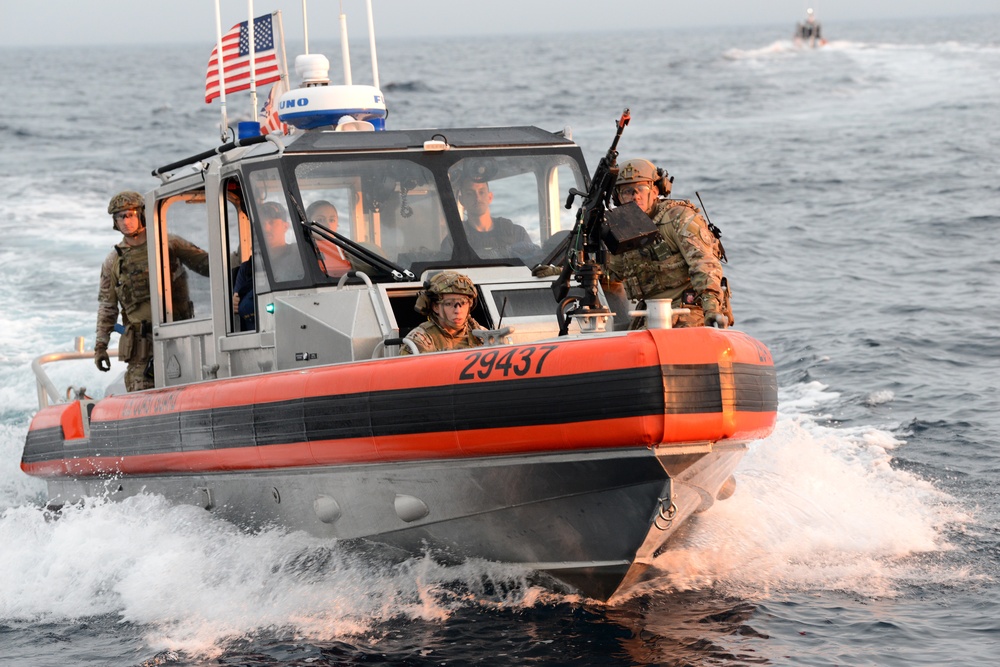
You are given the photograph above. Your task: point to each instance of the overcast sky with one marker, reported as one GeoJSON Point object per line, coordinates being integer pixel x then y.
{"type": "Point", "coordinates": [71, 22]}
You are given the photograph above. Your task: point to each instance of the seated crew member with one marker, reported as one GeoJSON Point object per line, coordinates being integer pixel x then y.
{"type": "Point", "coordinates": [285, 263]}
{"type": "Point", "coordinates": [334, 261]}
{"type": "Point", "coordinates": [490, 236]}
{"type": "Point", "coordinates": [446, 300]}
{"type": "Point", "coordinates": [243, 299]}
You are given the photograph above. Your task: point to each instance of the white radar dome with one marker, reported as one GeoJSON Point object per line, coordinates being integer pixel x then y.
{"type": "Point", "coordinates": [333, 106]}
{"type": "Point", "coordinates": [313, 69]}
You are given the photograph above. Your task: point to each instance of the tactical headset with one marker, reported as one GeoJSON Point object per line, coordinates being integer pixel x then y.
{"type": "Point", "coordinates": [663, 184]}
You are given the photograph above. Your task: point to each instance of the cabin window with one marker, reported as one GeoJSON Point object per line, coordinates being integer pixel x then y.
{"type": "Point", "coordinates": [183, 236]}
{"type": "Point", "coordinates": [522, 195]}
{"type": "Point", "coordinates": [390, 206]}
{"type": "Point", "coordinates": [528, 302]}
{"type": "Point", "coordinates": [273, 226]}
{"type": "Point", "coordinates": [562, 175]}
{"type": "Point", "coordinates": [238, 250]}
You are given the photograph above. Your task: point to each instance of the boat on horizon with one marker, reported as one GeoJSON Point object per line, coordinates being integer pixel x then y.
{"type": "Point", "coordinates": [809, 33]}
{"type": "Point", "coordinates": [562, 445]}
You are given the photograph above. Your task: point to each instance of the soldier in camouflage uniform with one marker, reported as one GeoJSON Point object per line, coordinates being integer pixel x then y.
{"type": "Point", "coordinates": [446, 301]}
{"type": "Point", "coordinates": [684, 265]}
{"type": "Point", "coordinates": [125, 282]}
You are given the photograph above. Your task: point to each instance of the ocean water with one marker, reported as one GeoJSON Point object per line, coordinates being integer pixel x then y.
{"type": "Point", "coordinates": [857, 189]}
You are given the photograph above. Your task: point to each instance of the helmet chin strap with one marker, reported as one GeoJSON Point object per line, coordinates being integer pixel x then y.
{"type": "Point", "coordinates": [138, 230]}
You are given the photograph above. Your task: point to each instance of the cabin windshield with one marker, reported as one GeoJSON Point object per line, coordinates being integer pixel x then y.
{"type": "Point", "coordinates": [436, 211]}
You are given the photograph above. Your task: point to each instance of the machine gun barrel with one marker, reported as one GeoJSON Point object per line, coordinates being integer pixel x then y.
{"type": "Point", "coordinates": [585, 239]}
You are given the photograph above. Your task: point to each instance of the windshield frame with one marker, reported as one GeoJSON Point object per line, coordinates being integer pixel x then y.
{"type": "Point", "coordinates": [439, 169]}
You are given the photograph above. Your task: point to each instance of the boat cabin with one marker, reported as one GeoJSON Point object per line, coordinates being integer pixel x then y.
{"type": "Point", "coordinates": [326, 292]}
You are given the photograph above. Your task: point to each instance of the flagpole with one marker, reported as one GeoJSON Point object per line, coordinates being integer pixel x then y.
{"type": "Point", "coordinates": [345, 49]}
{"type": "Point", "coordinates": [305, 26]}
{"type": "Point", "coordinates": [251, 29]}
{"type": "Point", "coordinates": [222, 73]}
{"type": "Point", "coordinates": [371, 41]}
{"type": "Point", "coordinates": [284, 57]}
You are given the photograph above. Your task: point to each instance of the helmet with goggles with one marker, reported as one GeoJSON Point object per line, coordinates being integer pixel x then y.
{"type": "Point", "coordinates": [445, 282]}
{"type": "Point", "coordinates": [638, 170]}
{"type": "Point", "coordinates": [127, 200]}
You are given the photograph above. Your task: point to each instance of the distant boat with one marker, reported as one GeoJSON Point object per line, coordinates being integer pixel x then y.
{"type": "Point", "coordinates": [809, 32]}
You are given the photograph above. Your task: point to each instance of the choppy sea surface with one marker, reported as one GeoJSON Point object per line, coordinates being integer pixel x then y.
{"type": "Point", "coordinates": [858, 190]}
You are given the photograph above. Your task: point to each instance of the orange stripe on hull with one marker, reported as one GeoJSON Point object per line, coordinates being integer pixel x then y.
{"type": "Point", "coordinates": [710, 385]}
{"type": "Point", "coordinates": [636, 349]}
{"type": "Point", "coordinates": [630, 432]}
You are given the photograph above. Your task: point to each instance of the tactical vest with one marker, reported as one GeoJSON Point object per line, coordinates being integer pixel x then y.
{"type": "Point", "coordinates": [442, 341]}
{"type": "Point", "coordinates": [658, 270]}
{"type": "Point", "coordinates": [131, 278]}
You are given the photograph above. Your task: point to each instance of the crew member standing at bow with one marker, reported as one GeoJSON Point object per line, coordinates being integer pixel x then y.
{"type": "Point", "coordinates": [684, 264]}
{"type": "Point", "coordinates": [125, 283]}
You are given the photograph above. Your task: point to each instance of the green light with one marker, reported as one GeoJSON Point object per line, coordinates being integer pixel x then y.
{"type": "Point", "coordinates": [269, 307]}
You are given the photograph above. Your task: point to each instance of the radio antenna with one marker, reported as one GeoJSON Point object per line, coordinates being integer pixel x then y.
{"type": "Point", "coordinates": [716, 232]}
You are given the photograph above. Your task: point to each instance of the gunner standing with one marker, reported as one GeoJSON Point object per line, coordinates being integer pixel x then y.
{"type": "Point", "coordinates": [683, 264]}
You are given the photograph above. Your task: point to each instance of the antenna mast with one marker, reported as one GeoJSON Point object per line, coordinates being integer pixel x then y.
{"type": "Point", "coordinates": [345, 49]}
{"type": "Point", "coordinates": [371, 42]}
{"type": "Point", "coordinates": [305, 26]}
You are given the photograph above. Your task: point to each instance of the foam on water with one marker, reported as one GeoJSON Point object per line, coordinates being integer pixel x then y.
{"type": "Point", "coordinates": [783, 47]}
{"type": "Point", "coordinates": [816, 508]}
{"type": "Point", "coordinates": [16, 488]}
{"type": "Point", "coordinates": [194, 581]}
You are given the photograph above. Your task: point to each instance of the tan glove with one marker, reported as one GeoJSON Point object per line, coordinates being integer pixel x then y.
{"type": "Point", "coordinates": [101, 358]}
{"type": "Point", "coordinates": [716, 320]}
{"type": "Point", "coordinates": [713, 315]}
{"type": "Point", "coordinates": [546, 270]}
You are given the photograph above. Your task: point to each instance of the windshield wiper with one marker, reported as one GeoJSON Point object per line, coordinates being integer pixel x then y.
{"type": "Point", "coordinates": [399, 274]}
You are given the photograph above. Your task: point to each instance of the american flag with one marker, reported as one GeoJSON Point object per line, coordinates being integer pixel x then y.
{"type": "Point", "coordinates": [270, 121]}
{"type": "Point", "coordinates": [236, 58]}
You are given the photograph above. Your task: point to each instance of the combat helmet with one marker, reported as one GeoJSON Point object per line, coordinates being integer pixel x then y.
{"type": "Point", "coordinates": [638, 170]}
{"type": "Point", "coordinates": [446, 282]}
{"type": "Point", "coordinates": [125, 200]}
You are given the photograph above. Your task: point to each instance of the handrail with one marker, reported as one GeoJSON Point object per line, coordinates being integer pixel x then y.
{"type": "Point", "coordinates": [161, 172]}
{"type": "Point", "coordinates": [45, 387]}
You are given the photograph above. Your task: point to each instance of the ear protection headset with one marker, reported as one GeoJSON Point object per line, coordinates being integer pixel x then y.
{"type": "Point", "coordinates": [663, 184]}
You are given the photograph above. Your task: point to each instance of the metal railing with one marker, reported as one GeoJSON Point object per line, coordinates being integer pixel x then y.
{"type": "Point", "coordinates": [47, 392]}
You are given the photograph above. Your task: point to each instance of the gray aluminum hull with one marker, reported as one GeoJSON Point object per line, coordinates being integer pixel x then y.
{"type": "Point", "coordinates": [593, 520]}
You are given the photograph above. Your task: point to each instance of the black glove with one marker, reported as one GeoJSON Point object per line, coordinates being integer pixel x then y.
{"type": "Point", "coordinates": [101, 358]}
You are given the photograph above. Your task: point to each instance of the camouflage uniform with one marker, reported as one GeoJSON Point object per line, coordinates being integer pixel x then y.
{"type": "Point", "coordinates": [684, 266]}
{"type": "Point", "coordinates": [125, 281]}
{"type": "Point", "coordinates": [429, 336]}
